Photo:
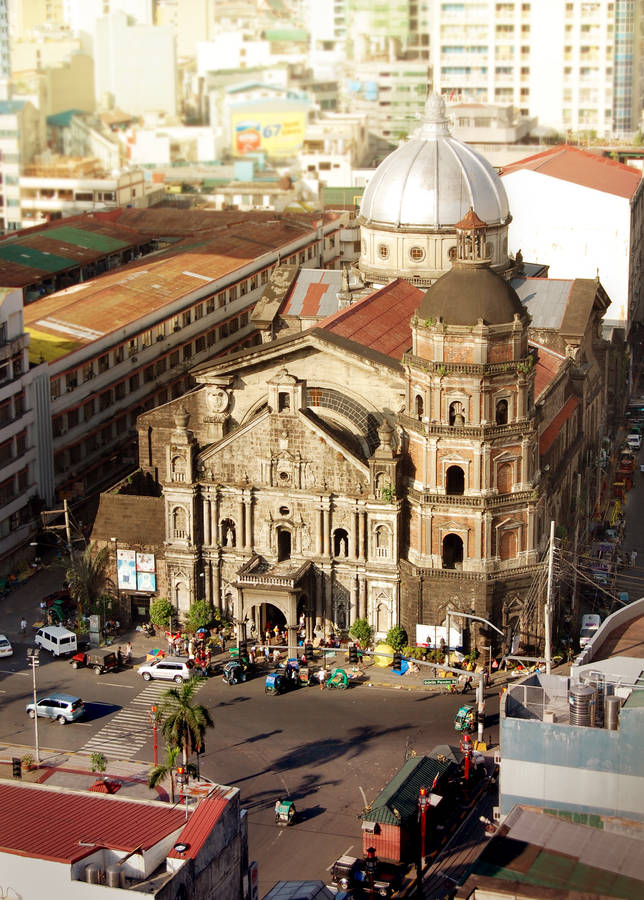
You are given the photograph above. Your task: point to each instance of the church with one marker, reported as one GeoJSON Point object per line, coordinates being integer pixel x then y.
{"type": "Point", "coordinates": [400, 459]}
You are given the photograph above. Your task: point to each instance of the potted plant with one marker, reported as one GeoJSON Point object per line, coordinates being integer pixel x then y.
{"type": "Point", "coordinates": [28, 762]}
{"type": "Point", "coordinates": [98, 762]}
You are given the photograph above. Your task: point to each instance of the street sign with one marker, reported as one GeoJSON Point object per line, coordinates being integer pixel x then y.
{"type": "Point", "coordinates": [446, 681]}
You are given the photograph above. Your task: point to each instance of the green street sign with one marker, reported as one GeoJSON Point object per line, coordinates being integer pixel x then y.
{"type": "Point", "coordinates": [445, 681]}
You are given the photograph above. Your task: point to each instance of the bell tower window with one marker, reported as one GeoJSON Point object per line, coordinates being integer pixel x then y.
{"type": "Point", "coordinates": [419, 407]}
{"type": "Point", "coordinates": [284, 402]}
{"type": "Point", "coordinates": [455, 480]}
{"type": "Point", "coordinates": [502, 412]}
{"type": "Point", "coordinates": [456, 416]}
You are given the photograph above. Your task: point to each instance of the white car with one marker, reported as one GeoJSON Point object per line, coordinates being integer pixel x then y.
{"type": "Point", "coordinates": [174, 668]}
{"type": "Point", "coordinates": [5, 646]}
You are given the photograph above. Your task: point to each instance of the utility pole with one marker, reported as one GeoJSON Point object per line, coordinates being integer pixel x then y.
{"type": "Point", "coordinates": [548, 606]}
{"type": "Point", "coordinates": [34, 662]}
{"type": "Point", "coordinates": [573, 604]}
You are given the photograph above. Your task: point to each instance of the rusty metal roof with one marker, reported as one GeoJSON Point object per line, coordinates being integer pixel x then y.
{"type": "Point", "coordinates": [200, 824]}
{"type": "Point", "coordinates": [44, 823]}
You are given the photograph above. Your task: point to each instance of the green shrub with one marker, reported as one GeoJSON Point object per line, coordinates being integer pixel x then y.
{"type": "Point", "coordinates": [200, 615]}
{"type": "Point", "coordinates": [161, 611]}
{"type": "Point", "coordinates": [397, 637]}
{"type": "Point", "coordinates": [414, 652]}
{"type": "Point", "coordinates": [361, 631]}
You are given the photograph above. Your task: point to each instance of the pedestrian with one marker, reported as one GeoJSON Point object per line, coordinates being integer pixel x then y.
{"type": "Point", "coordinates": [170, 645]}
{"type": "Point", "coordinates": [128, 653]}
{"type": "Point", "coordinates": [267, 653]}
{"type": "Point", "coordinates": [119, 657]}
{"type": "Point", "coordinates": [633, 557]}
{"type": "Point", "coordinates": [322, 677]}
{"type": "Point", "coordinates": [23, 626]}
{"type": "Point", "coordinates": [276, 656]}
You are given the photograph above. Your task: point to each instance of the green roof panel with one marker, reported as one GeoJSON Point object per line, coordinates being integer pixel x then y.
{"type": "Point", "coordinates": [34, 259]}
{"type": "Point", "coordinates": [91, 240]}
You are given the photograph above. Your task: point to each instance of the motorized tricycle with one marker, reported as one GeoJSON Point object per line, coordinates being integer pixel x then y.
{"type": "Point", "coordinates": [280, 682]}
{"type": "Point", "coordinates": [234, 672]}
{"type": "Point", "coordinates": [100, 660]}
{"type": "Point", "coordinates": [285, 812]}
{"type": "Point", "coordinates": [466, 719]}
{"type": "Point", "coordinates": [339, 679]}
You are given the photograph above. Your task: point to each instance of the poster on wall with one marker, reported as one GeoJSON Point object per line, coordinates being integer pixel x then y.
{"type": "Point", "coordinates": [430, 636]}
{"type": "Point", "coordinates": [145, 562]}
{"type": "Point", "coordinates": [276, 128]}
{"type": "Point", "coordinates": [146, 581]}
{"type": "Point", "coordinates": [126, 568]}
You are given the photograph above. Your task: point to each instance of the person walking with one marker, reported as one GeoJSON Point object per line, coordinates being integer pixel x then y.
{"type": "Point", "coordinates": [128, 653]}
{"type": "Point", "coordinates": [23, 626]}
{"type": "Point", "coordinates": [119, 657]}
{"type": "Point", "coordinates": [322, 677]}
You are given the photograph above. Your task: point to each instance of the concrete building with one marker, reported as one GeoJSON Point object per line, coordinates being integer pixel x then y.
{"type": "Point", "coordinates": [102, 845]}
{"type": "Point", "coordinates": [334, 145]}
{"type": "Point", "coordinates": [571, 744]}
{"type": "Point", "coordinates": [487, 123]}
{"type": "Point", "coordinates": [26, 16]}
{"type": "Point", "coordinates": [575, 65]}
{"type": "Point", "coordinates": [192, 21]}
{"type": "Point", "coordinates": [583, 214]}
{"type": "Point", "coordinates": [121, 55]}
{"type": "Point", "coordinates": [43, 49]}
{"type": "Point", "coordinates": [22, 137]}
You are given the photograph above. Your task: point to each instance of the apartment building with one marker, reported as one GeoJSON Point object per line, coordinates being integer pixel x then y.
{"type": "Point", "coordinates": [575, 64]}
{"type": "Point", "coordinates": [124, 343]}
{"type": "Point", "coordinates": [22, 136]}
{"type": "Point", "coordinates": [391, 93]}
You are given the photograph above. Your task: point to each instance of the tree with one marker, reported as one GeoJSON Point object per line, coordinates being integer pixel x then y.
{"type": "Point", "coordinates": [87, 576]}
{"type": "Point", "coordinates": [161, 612]}
{"type": "Point", "coordinates": [184, 723]}
{"type": "Point", "coordinates": [397, 637]}
{"type": "Point", "coordinates": [200, 615]}
{"type": "Point", "coordinates": [361, 631]}
{"type": "Point", "coordinates": [160, 772]}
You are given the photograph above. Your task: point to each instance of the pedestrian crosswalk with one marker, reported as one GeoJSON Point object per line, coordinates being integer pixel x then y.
{"type": "Point", "coordinates": [131, 727]}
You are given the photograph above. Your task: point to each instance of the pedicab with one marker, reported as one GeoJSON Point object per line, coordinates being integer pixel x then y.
{"type": "Point", "coordinates": [280, 682]}
{"type": "Point", "coordinates": [234, 672]}
{"type": "Point", "coordinates": [339, 679]}
{"type": "Point", "coordinates": [466, 719]}
{"type": "Point", "coordinates": [285, 812]}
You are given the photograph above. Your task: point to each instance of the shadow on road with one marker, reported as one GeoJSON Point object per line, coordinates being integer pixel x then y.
{"type": "Point", "coordinates": [231, 702]}
{"type": "Point", "coordinates": [305, 815]}
{"type": "Point", "coordinates": [257, 737]}
{"type": "Point", "coordinates": [94, 711]}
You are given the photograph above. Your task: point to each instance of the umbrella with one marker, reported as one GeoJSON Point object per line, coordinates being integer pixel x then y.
{"type": "Point", "coordinates": [202, 630]}
{"type": "Point", "coordinates": [155, 653]}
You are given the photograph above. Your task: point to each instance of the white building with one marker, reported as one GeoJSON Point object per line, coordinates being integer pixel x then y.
{"type": "Point", "coordinates": [135, 66]}
{"type": "Point", "coordinates": [22, 432]}
{"type": "Point", "coordinates": [334, 145]}
{"type": "Point", "coordinates": [164, 145]}
{"type": "Point", "coordinates": [22, 136]}
{"type": "Point", "coordinates": [574, 64]}
{"type": "Point", "coordinates": [582, 214]}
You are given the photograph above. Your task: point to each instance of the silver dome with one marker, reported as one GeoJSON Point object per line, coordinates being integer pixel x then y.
{"type": "Point", "coordinates": [432, 180]}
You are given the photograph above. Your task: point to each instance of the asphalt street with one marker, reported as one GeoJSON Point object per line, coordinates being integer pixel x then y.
{"type": "Point", "coordinates": [330, 751]}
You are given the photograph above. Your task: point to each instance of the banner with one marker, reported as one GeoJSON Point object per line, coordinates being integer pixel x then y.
{"type": "Point", "coordinates": [126, 568]}
{"type": "Point", "coordinates": [430, 636]}
{"type": "Point", "coordinates": [145, 562]}
{"type": "Point", "coordinates": [277, 129]}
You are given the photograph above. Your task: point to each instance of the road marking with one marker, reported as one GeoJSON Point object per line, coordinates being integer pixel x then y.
{"type": "Point", "coordinates": [126, 687]}
{"type": "Point", "coordinates": [364, 797]}
{"type": "Point", "coordinates": [14, 672]}
{"type": "Point", "coordinates": [346, 853]}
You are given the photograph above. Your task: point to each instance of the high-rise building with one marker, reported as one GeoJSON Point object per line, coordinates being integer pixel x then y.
{"type": "Point", "coordinates": [575, 64]}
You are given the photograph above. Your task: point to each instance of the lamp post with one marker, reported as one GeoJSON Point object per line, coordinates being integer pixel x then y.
{"type": "Point", "coordinates": [32, 657]}
{"type": "Point", "coordinates": [423, 805]}
{"type": "Point", "coordinates": [154, 719]}
{"type": "Point", "coordinates": [370, 863]}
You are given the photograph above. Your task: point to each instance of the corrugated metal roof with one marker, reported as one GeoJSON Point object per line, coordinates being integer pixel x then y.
{"type": "Point", "coordinates": [89, 240]}
{"type": "Point", "coordinates": [46, 823]}
{"type": "Point", "coordinates": [314, 293]}
{"type": "Point", "coordinates": [200, 824]}
{"type": "Point", "coordinates": [401, 794]}
{"type": "Point", "coordinates": [549, 435]}
{"type": "Point", "coordinates": [380, 321]}
{"type": "Point", "coordinates": [544, 298]}
{"type": "Point", "coordinates": [23, 255]}
{"type": "Point", "coordinates": [581, 167]}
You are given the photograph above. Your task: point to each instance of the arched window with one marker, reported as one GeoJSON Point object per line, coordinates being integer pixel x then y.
{"type": "Point", "coordinates": [504, 478]}
{"type": "Point", "coordinates": [502, 412]}
{"type": "Point", "coordinates": [456, 413]}
{"type": "Point", "coordinates": [283, 544]}
{"type": "Point", "coordinates": [419, 406]}
{"type": "Point", "coordinates": [228, 533]}
{"type": "Point", "coordinates": [382, 540]}
{"type": "Point", "coordinates": [508, 545]}
{"type": "Point", "coordinates": [180, 523]}
{"type": "Point", "coordinates": [283, 401]}
{"type": "Point", "coordinates": [382, 618]}
{"type": "Point", "coordinates": [455, 480]}
{"type": "Point", "coordinates": [340, 543]}
{"type": "Point", "coordinates": [452, 552]}
{"type": "Point", "coordinates": [178, 468]}
{"type": "Point", "coordinates": [181, 596]}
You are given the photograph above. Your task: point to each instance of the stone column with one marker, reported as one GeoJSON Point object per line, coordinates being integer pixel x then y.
{"type": "Point", "coordinates": [488, 536]}
{"type": "Point", "coordinates": [218, 530]}
{"type": "Point", "coordinates": [525, 458]}
{"type": "Point", "coordinates": [206, 523]}
{"type": "Point", "coordinates": [326, 539]}
{"type": "Point", "coordinates": [364, 613]}
{"type": "Point", "coordinates": [476, 464]}
{"type": "Point", "coordinates": [320, 535]}
{"type": "Point", "coordinates": [355, 535]}
{"type": "Point", "coordinates": [354, 612]}
{"type": "Point", "coordinates": [208, 582]}
{"type": "Point", "coordinates": [478, 552]}
{"type": "Point", "coordinates": [486, 474]}
{"type": "Point", "coordinates": [433, 444]}
{"type": "Point", "coordinates": [530, 535]}
{"type": "Point", "coordinates": [249, 522]}
{"type": "Point", "coordinates": [361, 534]}
{"type": "Point", "coordinates": [242, 522]}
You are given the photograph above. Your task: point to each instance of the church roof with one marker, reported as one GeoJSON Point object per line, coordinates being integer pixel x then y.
{"type": "Point", "coordinates": [381, 321]}
{"type": "Point", "coordinates": [432, 180]}
{"type": "Point", "coordinates": [583, 168]}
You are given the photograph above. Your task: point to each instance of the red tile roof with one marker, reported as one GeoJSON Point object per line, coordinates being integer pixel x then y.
{"type": "Point", "coordinates": [380, 321]}
{"type": "Point", "coordinates": [581, 167]}
{"type": "Point", "coordinates": [46, 823]}
{"type": "Point", "coordinates": [548, 365]}
{"type": "Point", "coordinates": [200, 824]}
{"type": "Point", "coordinates": [549, 435]}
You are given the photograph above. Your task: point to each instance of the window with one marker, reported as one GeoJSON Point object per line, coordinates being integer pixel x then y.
{"type": "Point", "coordinates": [121, 424]}
{"type": "Point", "coordinates": [161, 365]}
{"type": "Point", "coordinates": [148, 374]}
{"type": "Point", "coordinates": [88, 372]}
{"type": "Point", "coordinates": [232, 293]}
{"type": "Point", "coordinates": [174, 359]}
{"type": "Point", "coordinates": [21, 443]}
{"type": "Point", "coordinates": [146, 338]}
{"type": "Point", "coordinates": [200, 344]}
{"type": "Point", "coordinates": [185, 318]}
{"type": "Point", "coordinates": [71, 381]}
{"type": "Point", "coordinates": [6, 451]}
{"type": "Point", "coordinates": [187, 351]}
{"type": "Point", "coordinates": [119, 354]}
{"type": "Point", "coordinates": [132, 347]}
{"type": "Point", "coordinates": [103, 363]}
{"type": "Point", "coordinates": [211, 337]}
{"type": "Point", "coordinates": [263, 275]}
{"type": "Point", "coordinates": [105, 400]}
{"type": "Point", "coordinates": [88, 410]}
{"type": "Point", "coordinates": [134, 382]}
{"type": "Point", "coordinates": [417, 254]}
{"type": "Point", "coordinates": [210, 305]}
{"type": "Point", "coordinates": [383, 251]}
{"type": "Point", "coordinates": [72, 418]}
{"type": "Point", "coordinates": [19, 405]}
{"type": "Point", "coordinates": [221, 300]}
{"type": "Point", "coordinates": [55, 388]}
{"type": "Point", "coordinates": [119, 391]}
{"type": "Point", "coordinates": [198, 312]}
{"type": "Point", "coordinates": [243, 288]}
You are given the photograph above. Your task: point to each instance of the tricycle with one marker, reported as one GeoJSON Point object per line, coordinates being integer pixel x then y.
{"type": "Point", "coordinates": [466, 719]}
{"type": "Point", "coordinates": [100, 660]}
{"type": "Point", "coordinates": [285, 812]}
{"type": "Point", "coordinates": [234, 672]}
{"type": "Point", "coordinates": [280, 682]}
{"type": "Point", "coordinates": [339, 679]}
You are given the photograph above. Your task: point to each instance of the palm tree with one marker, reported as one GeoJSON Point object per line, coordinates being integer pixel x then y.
{"type": "Point", "coordinates": [164, 770]}
{"type": "Point", "coordinates": [87, 576]}
{"type": "Point", "coordinates": [184, 722]}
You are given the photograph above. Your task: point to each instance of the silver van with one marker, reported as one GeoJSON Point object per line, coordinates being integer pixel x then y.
{"type": "Point", "coordinates": [58, 640]}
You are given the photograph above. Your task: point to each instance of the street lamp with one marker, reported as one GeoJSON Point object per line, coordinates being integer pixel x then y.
{"type": "Point", "coordinates": [370, 863]}
{"type": "Point", "coordinates": [32, 657]}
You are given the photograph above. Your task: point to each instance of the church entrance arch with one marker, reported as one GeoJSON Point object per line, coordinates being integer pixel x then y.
{"type": "Point", "coordinates": [452, 552]}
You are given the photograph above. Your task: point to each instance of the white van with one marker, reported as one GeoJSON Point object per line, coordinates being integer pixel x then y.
{"type": "Point", "coordinates": [58, 640]}
{"type": "Point", "coordinates": [589, 625]}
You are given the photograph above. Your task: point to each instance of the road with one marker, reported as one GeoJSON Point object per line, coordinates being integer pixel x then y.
{"type": "Point", "coordinates": [330, 751]}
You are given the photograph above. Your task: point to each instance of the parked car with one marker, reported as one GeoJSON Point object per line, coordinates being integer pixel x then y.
{"type": "Point", "coordinates": [176, 668]}
{"type": "Point", "coordinates": [100, 660]}
{"type": "Point", "coordinates": [5, 646]}
{"type": "Point", "coordinates": [634, 440]}
{"type": "Point", "coordinates": [62, 707]}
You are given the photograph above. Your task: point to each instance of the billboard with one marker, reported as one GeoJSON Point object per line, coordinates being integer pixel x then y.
{"type": "Point", "coordinates": [275, 128]}
{"type": "Point", "coordinates": [126, 568]}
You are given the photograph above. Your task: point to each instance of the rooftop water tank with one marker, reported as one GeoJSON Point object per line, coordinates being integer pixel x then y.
{"type": "Point", "coordinates": [582, 699]}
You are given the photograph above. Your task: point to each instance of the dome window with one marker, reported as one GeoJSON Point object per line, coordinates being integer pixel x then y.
{"type": "Point", "coordinates": [417, 254]}
{"type": "Point", "coordinates": [452, 253]}
{"type": "Point", "coordinates": [383, 251]}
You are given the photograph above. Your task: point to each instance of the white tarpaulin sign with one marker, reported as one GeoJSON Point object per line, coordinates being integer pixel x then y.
{"type": "Point", "coordinates": [430, 636]}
